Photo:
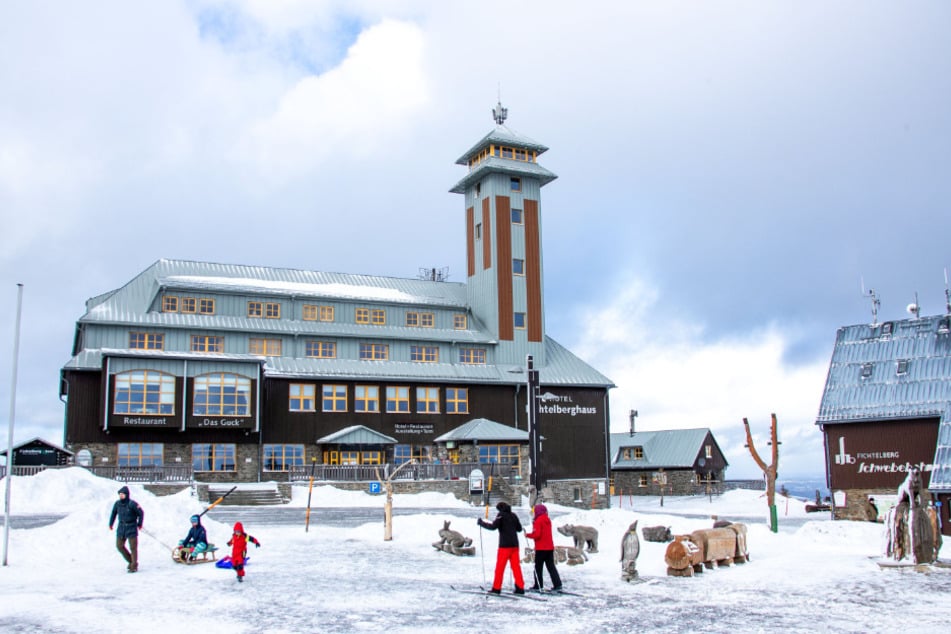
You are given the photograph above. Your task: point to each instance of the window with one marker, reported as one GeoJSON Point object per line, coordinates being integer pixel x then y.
{"type": "Point", "coordinates": [378, 317]}
{"type": "Point", "coordinates": [519, 319]}
{"type": "Point", "coordinates": [632, 453]}
{"type": "Point", "coordinates": [427, 400]}
{"type": "Point", "coordinates": [309, 312]}
{"type": "Point", "coordinates": [146, 341]}
{"type": "Point", "coordinates": [944, 325]}
{"type": "Point", "coordinates": [189, 305]}
{"type": "Point", "coordinates": [312, 312]}
{"type": "Point", "coordinates": [902, 366]}
{"type": "Point", "coordinates": [515, 184]}
{"type": "Point", "coordinates": [397, 399]}
{"type": "Point", "coordinates": [144, 392]}
{"type": "Point", "coordinates": [478, 231]}
{"type": "Point", "coordinates": [472, 355]}
{"type": "Point", "coordinates": [866, 371]}
{"type": "Point", "coordinates": [283, 457]}
{"type": "Point", "coordinates": [518, 266]}
{"type": "Point", "coordinates": [169, 304]}
{"type": "Point", "coordinates": [211, 457]}
{"type": "Point", "coordinates": [335, 398]}
{"type": "Point", "coordinates": [208, 343]}
{"type": "Point", "coordinates": [140, 454]}
{"type": "Point", "coordinates": [460, 321]}
{"type": "Point", "coordinates": [424, 354]}
{"type": "Point", "coordinates": [708, 451]}
{"type": "Point", "coordinates": [221, 395]}
{"type": "Point", "coordinates": [507, 152]}
{"type": "Point", "coordinates": [517, 216]}
{"type": "Point", "coordinates": [374, 351]}
{"type": "Point", "coordinates": [643, 480]}
{"type": "Point", "coordinates": [255, 310]}
{"type": "Point", "coordinates": [371, 457]}
{"type": "Point", "coordinates": [326, 313]}
{"type": "Point", "coordinates": [272, 310]}
{"type": "Point", "coordinates": [366, 398]}
{"type": "Point", "coordinates": [887, 328]}
{"type": "Point", "coordinates": [405, 453]}
{"type": "Point", "coordinates": [499, 454]}
{"type": "Point", "coordinates": [363, 315]}
{"type": "Point", "coordinates": [206, 306]}
{"type": "Point", "coordinates": [302, 397]}
{"type": "Point", "coordinates": [264, 347]}
{"type": "Point", "coordinates": [419, 320]}
{"type": "Point", "coordinates": [457, 400]}
{"type": "Point", "coordinates": [320, 349]}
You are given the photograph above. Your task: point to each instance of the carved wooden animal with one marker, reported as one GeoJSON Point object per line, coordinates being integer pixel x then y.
{"type": "Point", "coordinates": [630, 549]}
{"type": "Point", "coordinates": [683, 557]}
{"type": "Point", "coordinates": [563, 554]}
{"type": "Point", "coordinates": [582, 535]}
{"type": "Point", "coordinates": [454, 542]}
{"type": "Point", "coordinates": [741, 555]}
{"type": "Point", "coordinates": [657, 534]}
{"type": "Point", "coordinates": [717, 545]}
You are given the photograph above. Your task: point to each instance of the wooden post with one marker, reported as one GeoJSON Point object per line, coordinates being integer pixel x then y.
{"type": "Point", "coordinates": [310, 489]}
{"type": "Point", "coordinates": [769, 471]}
{"type": "Point", "coordinates": [388, 506]}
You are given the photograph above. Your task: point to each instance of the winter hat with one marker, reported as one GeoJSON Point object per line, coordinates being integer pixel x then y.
{"type": "Point", "coordinates": [195, 519]}
{"type": "Point", "coordinates": [503, 507]}
{"type": "Point", "coordinates": [540, 509]}
{"type": "Point", "coordinates": [125, 490]}
{"type": "Point", "coordinates": [238, 528]}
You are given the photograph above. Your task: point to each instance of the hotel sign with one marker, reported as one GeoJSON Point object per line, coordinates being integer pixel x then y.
{"type": "Point", "coordinates": [880, 454]}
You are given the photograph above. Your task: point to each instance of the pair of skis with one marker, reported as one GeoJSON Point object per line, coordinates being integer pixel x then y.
{"type": "Point", "coordinates": [482, 591]}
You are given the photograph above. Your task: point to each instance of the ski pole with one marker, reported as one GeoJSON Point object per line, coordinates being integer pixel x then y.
{"type": "Point", "coordinates": [218, 501]}
{"type": "Point", "coordinates": [482, 552]}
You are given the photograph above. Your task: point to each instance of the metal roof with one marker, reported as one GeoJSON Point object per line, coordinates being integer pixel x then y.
{"type": "Point", "coordinates": [502, 135]}
{"type": "Point", "coordinates": [37, 439]}
{"type": "Point", "coordinates": [864, 382]}
{"type": "Point", "coordinates": [483, 429]}
{"type": "Point", "coordinates": [670, 448]}
{"type": "Point", "coordinates": [495, 164]}
{"type": "Point", "coordinates": [357, 435]}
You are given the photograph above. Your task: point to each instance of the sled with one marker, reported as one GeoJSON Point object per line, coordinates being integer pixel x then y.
{"type": "Point", "coordinates": [226, 562]}
{"type": "Point", "coordinates": [187, 555]}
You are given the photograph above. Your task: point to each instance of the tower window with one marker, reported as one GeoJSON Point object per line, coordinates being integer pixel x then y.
{"type": "Point", "coordinates": [520, 321]}
{"type": "Point", "coordinates": [515, 184]}
{"type": "Point", "coordinates": [518, 266]}
{"type": "Point", "coordinates": [478, 231]}
{"type": "Point", "coordinates": [517, 217]}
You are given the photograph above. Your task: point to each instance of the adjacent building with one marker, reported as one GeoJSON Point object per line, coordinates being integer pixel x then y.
{"type": "Point", "coordinates": [886, 409]}
{"type": "Point", "coordinates": [672, 462]}
{"type": "Point", "coordinates": [245, 372]}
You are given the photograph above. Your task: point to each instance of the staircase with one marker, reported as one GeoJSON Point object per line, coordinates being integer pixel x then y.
{"type": "Point", "coordinates": [255, 495]}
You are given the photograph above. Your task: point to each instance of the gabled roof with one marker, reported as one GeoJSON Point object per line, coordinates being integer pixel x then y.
{"type": "Point", "coordinates": [483, 429]}
{"type": "Point", "coordinates": [39, 441]}
{"type": "Point", "coordinates": [670, 449]}
{"type": "Point", "coordinates": [864, 382]}
{"type": "Point", "coordinates": [357, 435]}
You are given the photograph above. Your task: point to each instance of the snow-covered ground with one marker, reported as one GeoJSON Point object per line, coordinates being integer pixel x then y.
{"type": "Point", "coordinates": [813, 574]}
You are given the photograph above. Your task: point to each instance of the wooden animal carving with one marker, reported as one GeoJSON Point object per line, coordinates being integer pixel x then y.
{"type": "Point", "coordinates": [563, 554]}
{"type": "Point", "coordinates": [742, 555]}
{"type": "Point", "coordinates": [657, 534]}
{"type": "Point", "coordinates": [582, 535]}
{"type": "Point", "coordinates": [683, 557]}
{"type": "Point", "coordinates": [454, 542]}
{"type": "Point", "coordinates": [630, 549]}
{"type": "Point", "coordinates": [717, 545]}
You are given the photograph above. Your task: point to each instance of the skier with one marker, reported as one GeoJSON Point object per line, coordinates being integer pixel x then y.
{"type": "Point", "coordinates": [508, 525]}
{"type": "Point", "coordinates": [130, 516]}
{"type": "Point", "coordinates": [544, 549]}
{"type": "Point", "coordinates": [196, 540]}
{"type": "Point", "coordinates": [239, 549]}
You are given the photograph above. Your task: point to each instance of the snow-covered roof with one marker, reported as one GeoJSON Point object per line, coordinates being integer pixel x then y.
{"type": "Point", "coordinates": [357, 435]}
{"type": "Point", "coordinates": [669, 448]}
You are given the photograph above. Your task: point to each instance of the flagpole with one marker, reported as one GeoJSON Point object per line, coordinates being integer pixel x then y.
{"type": "Point", "coordinates": [13, 409]}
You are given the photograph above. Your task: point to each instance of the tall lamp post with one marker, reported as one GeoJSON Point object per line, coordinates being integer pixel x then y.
{"type": "Point", "coordinates": [13, 409]}
{"type": "Point", "coordinates": [534, 438]}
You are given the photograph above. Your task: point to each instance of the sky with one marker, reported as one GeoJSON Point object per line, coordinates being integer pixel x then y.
{"type": "Point", "coordinates": [735, 178]}
{"type": "Point", "coordinates": [347, 578]}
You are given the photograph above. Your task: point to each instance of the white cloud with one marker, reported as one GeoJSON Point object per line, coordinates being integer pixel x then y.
{"type": "Point", "coordinates": [348, 111]}
{"type": "Point", "coordinates": [678, 378]}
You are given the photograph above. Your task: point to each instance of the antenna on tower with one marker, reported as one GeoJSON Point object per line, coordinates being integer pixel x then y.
{"type": "Point", "coordinates": [876, 303]}
{"type": "Point", "coordinates": [433, 274]}
{"type": "Point", "coordinates": [915, 308]}
{"type": "Point", "coordinates": [947, 293]}
{"type": "Point", "coordinates": [499, 113]}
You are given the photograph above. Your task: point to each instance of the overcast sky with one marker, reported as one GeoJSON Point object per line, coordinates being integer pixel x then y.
{"type": "Point", "coordinates": [729, 173]}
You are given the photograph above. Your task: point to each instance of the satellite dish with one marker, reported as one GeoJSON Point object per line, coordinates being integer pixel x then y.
{"type": "Point", "coordinates": [913, 309]}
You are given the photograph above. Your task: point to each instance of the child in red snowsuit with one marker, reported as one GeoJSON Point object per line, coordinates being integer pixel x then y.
{"type": "Point", "coordinates": [239, 549]}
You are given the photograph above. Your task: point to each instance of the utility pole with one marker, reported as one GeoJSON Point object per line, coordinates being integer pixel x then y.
{"type": "Point", "coordinates": [769, 471]}
{"type": "Point", "coordinates": [13, 409]}
{"type": "Point", "coordinates": [534, 438]}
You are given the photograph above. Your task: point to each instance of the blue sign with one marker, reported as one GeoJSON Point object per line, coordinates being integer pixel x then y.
{"type": "Point", "coordinates": [375, 487]}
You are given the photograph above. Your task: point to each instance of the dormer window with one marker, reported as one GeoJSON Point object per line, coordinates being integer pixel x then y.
{"type": "Point", "coordinates": [902, 366]}
{"type": "Point", "coordinates": [944, 325]}
{"type": "Point", "coordinates": [887, 328]}
{"type": "Point", "coordinates": [632, 453]}
{"type": "Point", "coordinates": [866, 371]}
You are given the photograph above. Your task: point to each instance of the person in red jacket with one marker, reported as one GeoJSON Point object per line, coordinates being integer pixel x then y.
{"type": "Point", "coordinates": [544, 549]}
{"type": "Point", "coordinates": [239, 549]}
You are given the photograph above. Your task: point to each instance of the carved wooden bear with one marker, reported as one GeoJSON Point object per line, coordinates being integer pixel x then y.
{"type": "Point", "coordinates": [582, 535]}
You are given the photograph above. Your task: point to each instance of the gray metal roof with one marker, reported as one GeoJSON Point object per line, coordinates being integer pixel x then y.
{"type": "Point", "coordinates": [670, 448]}
{"type": "Point", "coordinates": [863, 383]}
{"type": "Point", "coordinates": [483, 429]}
{"type": "Point", "coordinates": [37, 439]}
{"type": "Point", "coordinates": [495, 164]}
{"type": "Point", "coordinates": [357, 435]}
{"type": "Point", "coordinates": [502, 135]}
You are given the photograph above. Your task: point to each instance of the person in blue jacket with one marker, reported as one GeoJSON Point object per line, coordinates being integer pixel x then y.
{"type": "Point", "coordinates": [196, 540]}
{"type": "Point", "coordinates": [130, 516]}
